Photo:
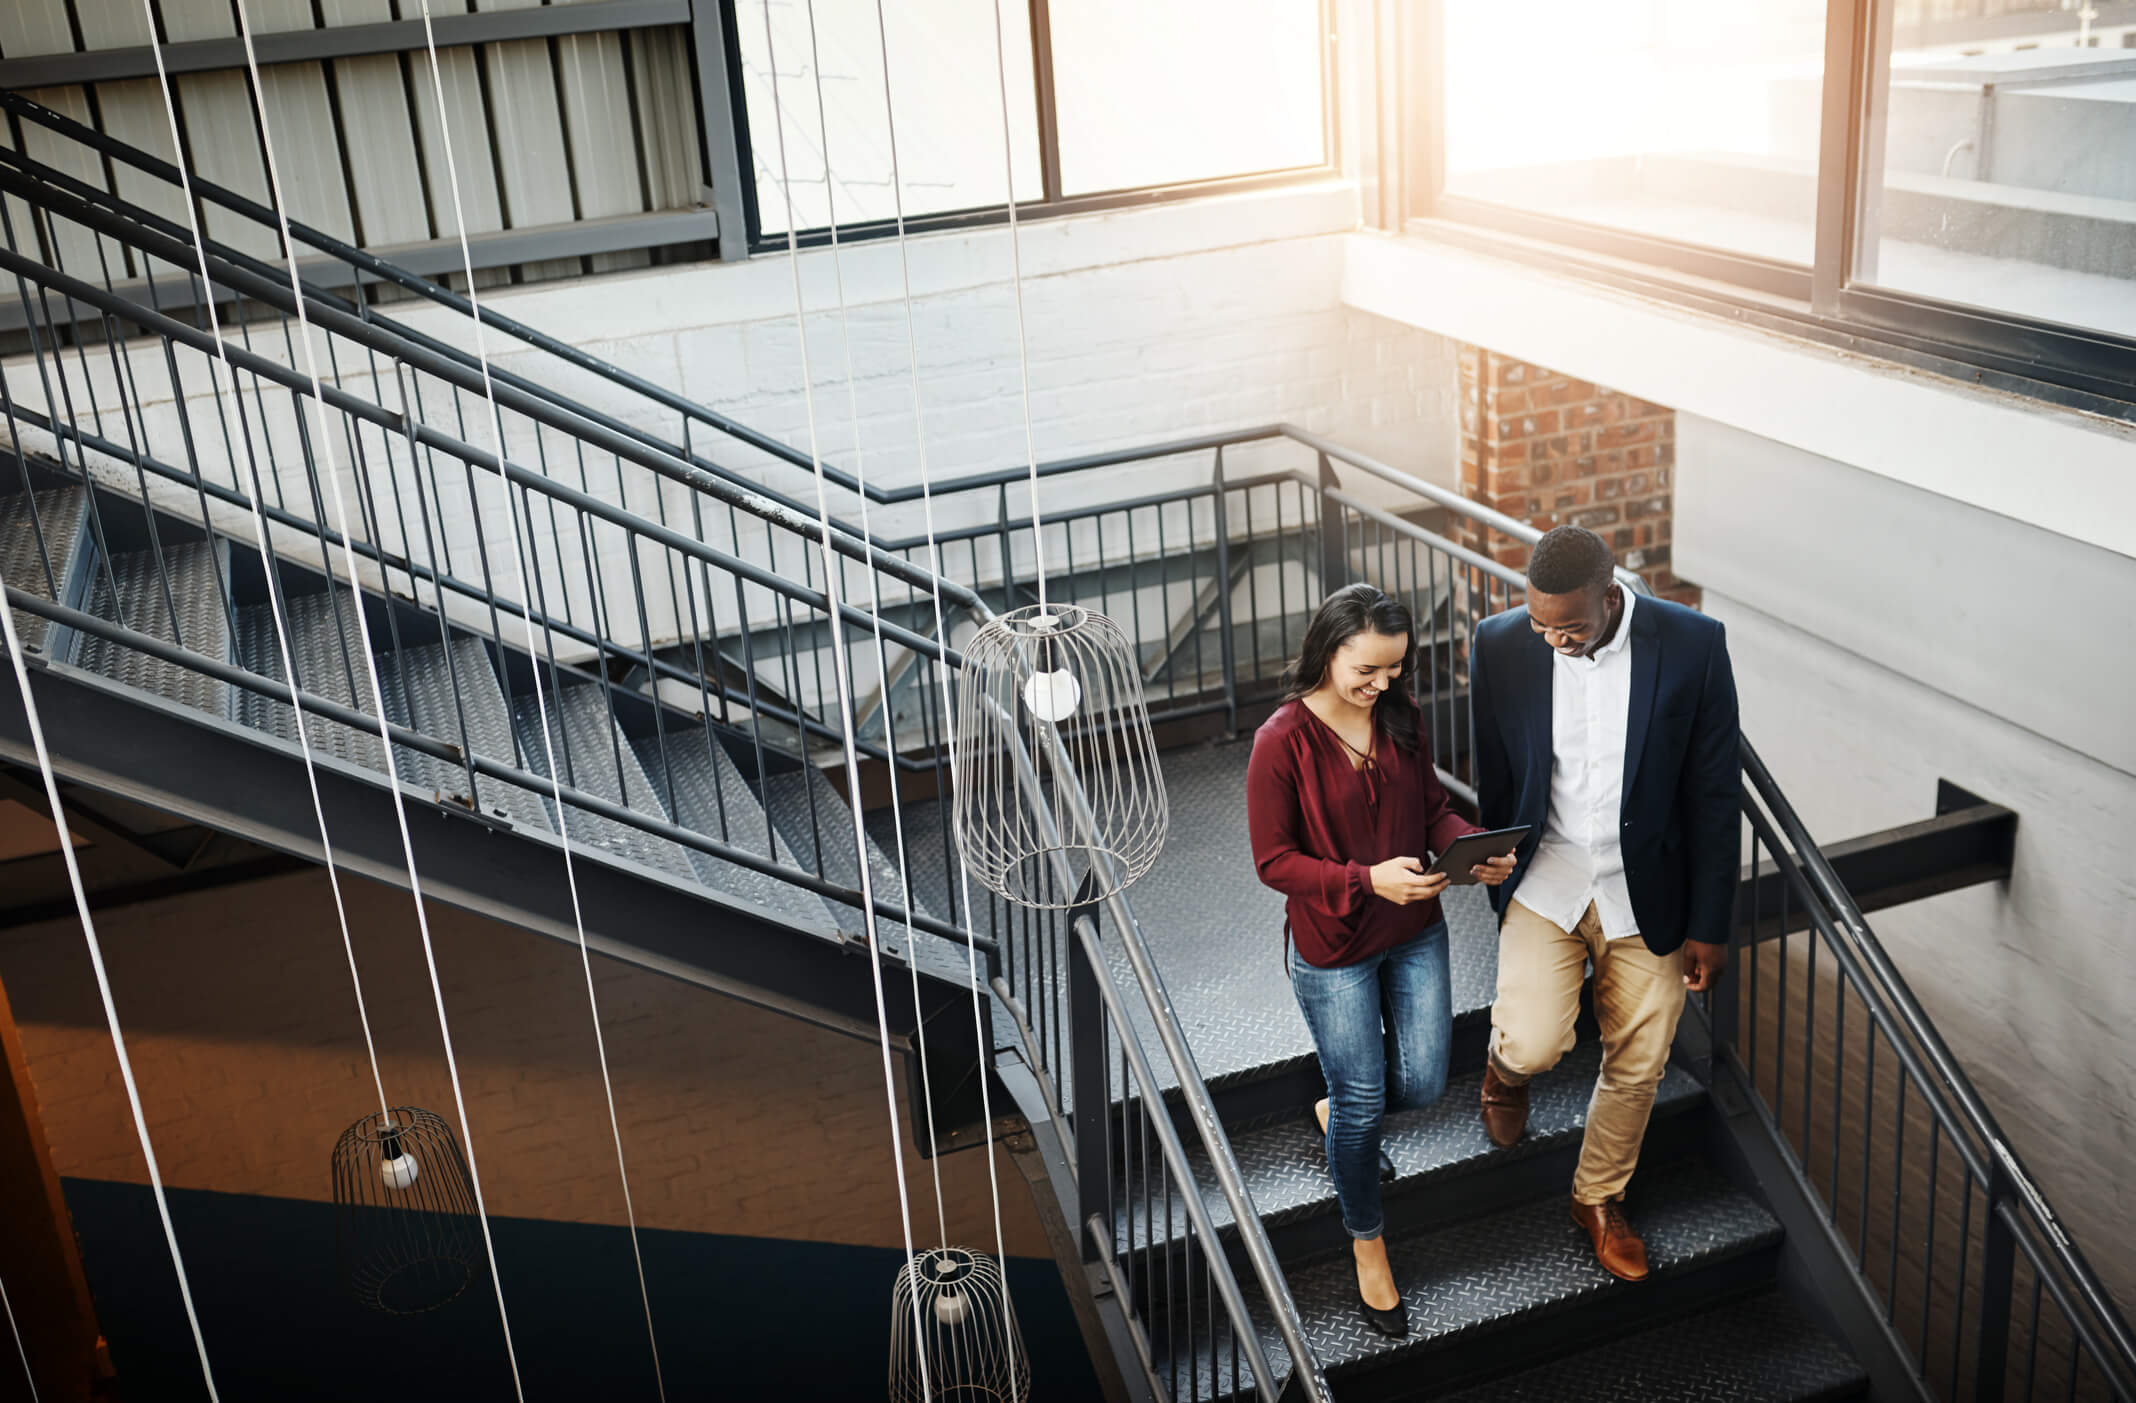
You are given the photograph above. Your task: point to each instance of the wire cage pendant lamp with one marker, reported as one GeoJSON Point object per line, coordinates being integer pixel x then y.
{"type": "Point", "coordinates": [405, 1224]}
{"type": "Point", "coordinates": [1059, 799]}
{"type": "Point", "coordinates": [950, 1308]}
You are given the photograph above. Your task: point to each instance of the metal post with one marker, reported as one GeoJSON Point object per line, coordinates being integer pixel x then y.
{"type": "Point", "coordinates": [1998, 1263]}
{"type": "Point", "coordinates": [1090, 1076]}
{"type": "Point", "coordinates": [721, 129]}
{"type": "Point", "coordinates": [1334, 544]}
{"type": "Point", "coordinates": [1223, 599]}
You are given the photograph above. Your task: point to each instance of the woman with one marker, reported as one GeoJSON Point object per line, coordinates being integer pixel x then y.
{"type": "Point", "coordinates": [1345, 811]}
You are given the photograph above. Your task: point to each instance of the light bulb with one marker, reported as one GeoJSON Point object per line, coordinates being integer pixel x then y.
{"type": "Point", "coordinates": [952, 1308]}
{"type": "Point", "coordinates": [1053, 696]}
{"type": "Point", "coordinates": [399, 1172]}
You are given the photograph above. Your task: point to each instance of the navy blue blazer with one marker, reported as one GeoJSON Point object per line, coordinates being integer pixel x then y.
{"type": "Point", "coordinates": [1682, 779]}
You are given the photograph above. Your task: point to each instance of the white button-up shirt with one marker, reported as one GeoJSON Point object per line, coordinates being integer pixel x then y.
{"type": "Point", "coordinates": [1580, 858]}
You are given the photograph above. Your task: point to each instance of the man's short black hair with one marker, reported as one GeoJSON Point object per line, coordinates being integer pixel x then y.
{"type": "Point", "coordinates": [1568, 560]}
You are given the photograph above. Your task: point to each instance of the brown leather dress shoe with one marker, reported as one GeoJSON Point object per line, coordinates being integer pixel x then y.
{"type": "Point", "coordinates": [1505, 1108]}
{"type": "Point", "coordinates": [1617, 1247]}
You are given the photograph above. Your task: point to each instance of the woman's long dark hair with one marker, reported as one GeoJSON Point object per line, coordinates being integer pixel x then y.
{"type": "Point", "coordinates": [1343, 615]}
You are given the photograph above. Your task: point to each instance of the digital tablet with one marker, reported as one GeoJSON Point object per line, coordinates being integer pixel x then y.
{"type": "Point", "coordinates": [1472, 848]}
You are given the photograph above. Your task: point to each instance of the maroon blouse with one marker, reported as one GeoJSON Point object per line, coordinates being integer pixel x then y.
{"type": "Point", "coordinates": [1319, 825]}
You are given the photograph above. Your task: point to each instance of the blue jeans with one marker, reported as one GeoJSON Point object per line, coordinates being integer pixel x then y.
{"type": "Point", "coordinates": [1384, 1028]}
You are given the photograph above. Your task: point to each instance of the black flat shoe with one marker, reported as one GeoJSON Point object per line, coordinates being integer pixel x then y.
{"type": "Point", "coordinates": [1386, 1164]}
{"type": "Point", "coordinates": [1394, 1324]}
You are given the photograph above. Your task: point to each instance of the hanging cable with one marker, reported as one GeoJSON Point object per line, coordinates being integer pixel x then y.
{"type": "Point", "coordinates": [103, 980]}
{"type": "Point", "coordinates": [835, 606]}
{"type": "Point", "coordinates": [981, 1024]}
{"type": "Point", "coordinates": [521, 543]}
{"type": "Point", "coordinates": [218, 367]}
{"type": "Point", "coordinates": [882, 662]}
{"type": "Point", "coordinates": [13, 1328]}
{"type": "Point", "coordinates": [1023, 357]}
{"type": "Point", "coordinates": [378, 701]}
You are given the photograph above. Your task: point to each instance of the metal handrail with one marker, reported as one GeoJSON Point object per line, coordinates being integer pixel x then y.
{"type": "Point", "coordinates": [1954, 1100]}
{"type": "Point", "coordinates": [111, 217]}
{"type": "Point", "coordinates": [1957, 1103]}
{"type": "Point", "coordinates": [1253, 1235]}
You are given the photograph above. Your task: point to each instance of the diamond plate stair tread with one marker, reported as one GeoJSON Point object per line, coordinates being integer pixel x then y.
{"type": "Point", "coordinates": [1285, 1167]}
{"type": "Point", "coordinates": [1757, 1350]}
{"type": "Point", "coordinates": [586, 746]}
{"type": "Point", "coordinates": [813, 815]}
{"type": "Point", "coordinates": [326, 667]}
{"type": "Point", "coordinates": [712, 798]}
{"type": "Point", "coordinates": [62, 516]}
{"type": "Point", "coordinates": [141, 606]}
{"type": "Point", "coordinates": [1504, 1269]}
{"type": "Point", "coordinates": [1215, 932]}
{"type": "Point", "coordinates": [418, 687]}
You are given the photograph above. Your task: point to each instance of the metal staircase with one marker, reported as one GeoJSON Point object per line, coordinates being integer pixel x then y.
{"type": "Point", "coordinates": [1158, 1069]}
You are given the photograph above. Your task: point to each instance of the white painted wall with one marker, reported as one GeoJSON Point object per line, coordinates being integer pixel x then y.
{"type": "Point", "coordinates": [1885, 637]}
{"type": "Point", "coordinates": [2071, 473]}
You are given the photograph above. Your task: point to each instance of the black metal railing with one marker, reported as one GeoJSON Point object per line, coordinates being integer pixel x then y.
{"type": "Point", "coordinates": [683, 602]}
{"type": "Point", "coordinates": [1980, 1287]}
{"type": "Point", "coordinates": [663, 573]}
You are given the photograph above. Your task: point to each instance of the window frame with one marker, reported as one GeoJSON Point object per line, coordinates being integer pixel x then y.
{"type": "Point", "coordinates": [1827, 301]}
{"type": "Point", "coordinates": [1051, 203]}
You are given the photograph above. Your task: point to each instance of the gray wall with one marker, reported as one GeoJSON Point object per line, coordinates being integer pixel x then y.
{"type": "Point", "coordinates": [1885, 637]}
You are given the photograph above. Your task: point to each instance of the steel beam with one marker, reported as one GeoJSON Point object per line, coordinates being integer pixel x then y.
{"type": "Point", "coordinates": [343, 41]}
{"type": "Point", "coordinates": [1968, 842]}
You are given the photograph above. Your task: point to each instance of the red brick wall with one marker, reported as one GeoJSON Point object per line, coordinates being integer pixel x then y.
{"type": "Point", "coordinates": [243, 1032]}
{"type": "Point", "coordinates": [1550, 449]}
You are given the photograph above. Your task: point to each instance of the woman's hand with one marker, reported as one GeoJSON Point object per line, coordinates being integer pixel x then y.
{"type": "Point", "coordinates": [1402, 880]}
{"type": "Point", "coordinates": [1494, 870]}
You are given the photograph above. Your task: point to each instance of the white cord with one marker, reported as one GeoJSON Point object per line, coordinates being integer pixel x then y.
{"type": "Point", "coordinates": [217, 367]}
{"type": "Point", "coordinates": [13, 1328]}
{"type": "Point", "coordinates": [882, 660]}
{"type": "Point", "coordinates": [103, 981]}
{"type": "Point", "coordinates": [981, 1024]}
{"type": "Point", "coordinates": [1023, 356]}
{"type": "Point", "coordinates": [520, 545]}
{"type": "Point", "coordinates": [378, 700]}
{"type": "Point", "coordinates": [845, 697]}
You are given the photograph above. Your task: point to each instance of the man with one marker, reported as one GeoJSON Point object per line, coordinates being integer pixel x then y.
{"type": "Point", "coordinates": [1607, 723]}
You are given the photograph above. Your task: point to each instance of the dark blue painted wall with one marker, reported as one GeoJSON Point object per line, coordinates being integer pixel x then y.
{"type": "Point", "coordinates": [740, 1318]}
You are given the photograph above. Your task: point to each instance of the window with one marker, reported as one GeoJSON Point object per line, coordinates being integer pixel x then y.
{"type": "Point", "coordinates": [1105, 97]}
{"type": "Point", "coordinates": [1949, 182]}
{"type": "Point", "coordinates": [1689, 120]}
{"type": "Point", "coordinates": [945, 83]}
{"type": "Point", "coordinates": [1183, 91]}
{"type": "Point", "coordinates": [2008, 179]}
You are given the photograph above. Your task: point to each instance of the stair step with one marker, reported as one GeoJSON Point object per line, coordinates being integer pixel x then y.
{"type": "Point", "coordinates": [31, 544]}
{"type": "Point", "coordinates": [142, 605]}
{"type": "Point", "coordinates": [1477, 1290]}
{"type": "Point", "coordinates": [419, 684]}
{"type": "Point", "coordinates": [598, 759]}
{"type": "Point", "coordinates": [814, 817]}
{"type": "Point", "coordinates": [1760, 1349]}
{"type": "Point", "coordinates": [330, 663]}
{"type": "Point", "coordinates": [1285, 1167]}
{"type": "Point", "coordinates": [711, 797]}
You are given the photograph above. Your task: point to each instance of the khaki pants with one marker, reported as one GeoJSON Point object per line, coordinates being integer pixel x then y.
{"type": "Point", "coordinates": [1638, 997]}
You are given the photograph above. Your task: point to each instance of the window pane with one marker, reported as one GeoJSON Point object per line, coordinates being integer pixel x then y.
{"type": "Point", "coordinates": [1694, 120]}
{"type": "Point", "coordinates": [2009, 171]}
{"type": "Point", "coordinates": [948, 106]}
{"type": "Point", "coordinates": [1184, 90]}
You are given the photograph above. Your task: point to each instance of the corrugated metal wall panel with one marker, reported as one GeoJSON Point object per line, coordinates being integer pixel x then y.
{"type": "Point", "coordinates": [546, 131]}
